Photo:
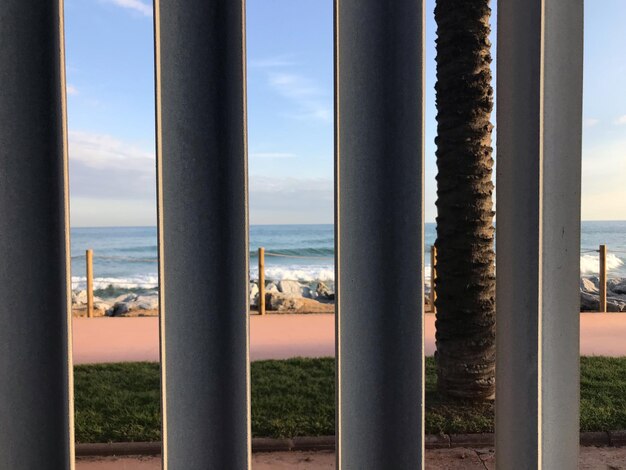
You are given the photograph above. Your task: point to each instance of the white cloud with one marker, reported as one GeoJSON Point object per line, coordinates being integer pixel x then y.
{"type": "Point", "coordinates": [108, 169]}
{"type": "Point", "coordinates": [98, 212]}
{"type": "Point", "coordinates": [620, 121]}
{"type": "Point", "coordinates": [291, 200]}
{"type": "Point", "coordinates": [591, 122]}
{"type": "Point", "coordinates": [603, 176]}
{"type": "Point", "coordinates": [71, 90]}
{"type": "Point", "coordinates": [271, 155]}
{"type": "Point", "coordinates": [104, 152]}
{"type": "Point", "coordinates": [311, 100]}
{"type": "Point", "coordinates": [136, 5]}
{"type": "Point", "coordinates": [113, 182]}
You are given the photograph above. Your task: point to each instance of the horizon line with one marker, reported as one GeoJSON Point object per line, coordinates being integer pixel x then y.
{"type": "Point", "coordinates": [289, 224]}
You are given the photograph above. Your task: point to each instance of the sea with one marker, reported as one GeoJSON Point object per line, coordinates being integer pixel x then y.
{"type": "Point", "coordinates": [125, 258]}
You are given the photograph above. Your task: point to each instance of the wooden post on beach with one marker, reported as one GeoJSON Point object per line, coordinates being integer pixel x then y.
{"type": "Point", "coordinates": [89, 260]}
{"type": "Point", "coordinates": [602, 278]}
{"type": "Point", "coordinates": [261, 281]}
{"type": "Point", "coordinates": [433, 273]}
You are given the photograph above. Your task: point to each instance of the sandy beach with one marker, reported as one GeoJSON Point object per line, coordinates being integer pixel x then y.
{"type": "Point", "coordinates": [99, 340]}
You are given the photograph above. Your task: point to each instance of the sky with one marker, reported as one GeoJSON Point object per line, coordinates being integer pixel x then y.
{"type": "Point", "coordinates": [110, 84]}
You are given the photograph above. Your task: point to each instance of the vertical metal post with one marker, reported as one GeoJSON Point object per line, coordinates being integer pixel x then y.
{"type": "Point", "coordinates": [203, 232]}
{"type": "Point", "coordinates": [539, 99]}
{"type": "Point", "coordinates": [262, 281]}
{"type": "Point", "coordinates": [36, 420]}
{"type": "Point", "coordinates": [379, 229]}
{"type": "Point", "coordinates": [602, 258]}
{"type": "Point", "coordinates": [89, 277]}
{"type": "Point", "coordinates": [433, 275]}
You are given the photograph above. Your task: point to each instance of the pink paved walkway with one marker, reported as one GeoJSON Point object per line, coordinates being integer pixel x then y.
{"type": "Point", "coordinates": [283, 336]}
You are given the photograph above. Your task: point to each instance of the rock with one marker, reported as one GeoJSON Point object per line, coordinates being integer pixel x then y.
{"type": "Point", "coordinates": [309, 293]}
{"type": "Point", "coordinates": [324, 292]}
{"type": "Point", "coordinates": [589, 302]}
{"type": "Point", "coordinates": [282, 302]}
{"type": "Point", "coordinates": [80, 297]}
{"type": "Point", "coordinates": [271, 287]}
{"type": "Point", "coordinates": [615, 305]}
{"type": "Point", "coordinates": [291, 288]}
{"type": "Point", "coordinates": [101, 306]}
{"type": "Point", "coordinates": [145, 302]}
{"type": "Point", "coordinates": [119, 308]}
{"type": "Point", "coordinates": [127, 298]}
{"type": "Point", "coordinates": [587, 285]}
{"type": "Point", "coordinates": [254, 293]}
{"type": "Point", "coordinates": [618, 287]}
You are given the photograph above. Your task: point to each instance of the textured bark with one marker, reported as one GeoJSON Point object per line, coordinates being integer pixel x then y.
{"type": "Point", "coordinates": [465, 280]}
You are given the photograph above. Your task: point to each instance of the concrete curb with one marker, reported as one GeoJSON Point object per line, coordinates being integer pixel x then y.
{"type": "Point", "coordinates": [266, 444]}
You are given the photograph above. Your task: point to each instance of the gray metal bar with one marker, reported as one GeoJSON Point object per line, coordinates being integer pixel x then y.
{"type": "Point", "coordinates": [36, 424]}
{"type": "Point", "coordinates": [203, 232]}
{"type": "Point", "coordinates": [379, 233]}
{"type": "Point", "coordinates": [539, 100]}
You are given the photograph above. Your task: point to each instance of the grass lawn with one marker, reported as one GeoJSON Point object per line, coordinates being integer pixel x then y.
{"type": "Point", "coordinates": [296, 397]}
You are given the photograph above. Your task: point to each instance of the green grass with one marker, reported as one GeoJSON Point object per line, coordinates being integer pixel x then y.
{"type": "Point", "coordinates": [296, 397]}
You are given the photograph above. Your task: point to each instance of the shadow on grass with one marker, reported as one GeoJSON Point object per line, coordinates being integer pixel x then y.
{"type": "Point", "coordinates": [296, 397]}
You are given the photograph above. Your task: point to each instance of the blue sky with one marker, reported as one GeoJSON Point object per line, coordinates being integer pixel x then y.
{"type": "Point", "coordinates": [110, 76]}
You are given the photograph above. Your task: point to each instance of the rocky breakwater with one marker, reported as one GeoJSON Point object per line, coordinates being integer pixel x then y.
{"type": "Point", "coordinates": [590, 294]}
{"type": "Point", "coordinates": [126, 305]}
{"type": "Point", "coordinates": [294, 297]}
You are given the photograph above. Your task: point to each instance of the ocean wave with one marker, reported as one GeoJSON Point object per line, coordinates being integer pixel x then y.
{"type": "Point", "coordinates": [143, 248]}
{"type": "Point", "coordinates": [303, 273]}
{"type": "Point", "coordinates": [590, 264]}
{"type": "Point", "coordinates": [123, 259]}
{"type": "Point", "coordinates": [149, 281]}
{"type": "Point", "coordinates": [303, 252]}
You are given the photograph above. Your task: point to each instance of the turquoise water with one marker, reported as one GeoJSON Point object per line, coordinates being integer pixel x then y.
{"type": "Point", "coordinates": [126, 257]}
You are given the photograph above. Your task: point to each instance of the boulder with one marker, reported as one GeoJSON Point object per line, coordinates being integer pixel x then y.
{"type": "Point", "coordinates": [615, 305]}
{"type": "Point", "coordinates": [282, 302]}
{"type": "Point", "coordinates": [324, 292]}
{"type": "Point", "coordinates": [589, 302]}
{"type": "Point", "coordinates": [80, 297]}
{"type": "Point", "coordinates": [127, 298]}
{"type": "Point", "coordinates": [309, 293]}
{"type": "Point", "coordinates": [119, 308]}
{"type": "Point", "coordinates": [618, 287]}
{"type": "Point", "coordinates": [145, 302]}
{"type": "Point", "coordinates": [290, 288]}
{"type": "Point", "coordinates": [271, 287]}
{"type": "Point", "coordinates": [587, 285]}
{"type": "Point", "coordinates": [254, 293]}
{"type": "Point", "coordinates": [101, 306]}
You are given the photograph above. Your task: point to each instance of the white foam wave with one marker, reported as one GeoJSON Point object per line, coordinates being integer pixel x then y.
{"type": "Point", "coordinates": [303, 273]}
{"type": "Point", "coordinates": [590, 264]}
{"type": "Point", "coordinates": [149, 281]}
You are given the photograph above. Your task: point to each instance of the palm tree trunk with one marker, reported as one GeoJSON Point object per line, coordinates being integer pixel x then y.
{"type": "Point", "coordinates": [465, 279]}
